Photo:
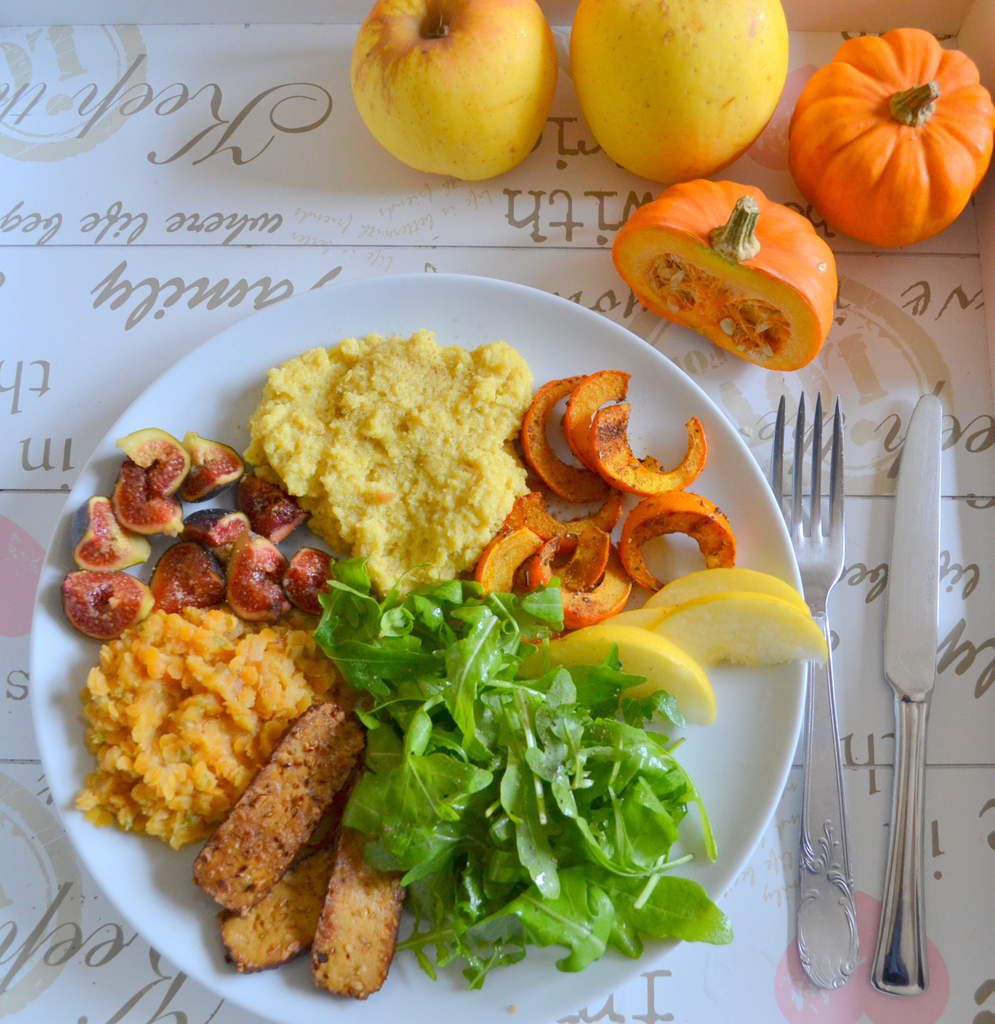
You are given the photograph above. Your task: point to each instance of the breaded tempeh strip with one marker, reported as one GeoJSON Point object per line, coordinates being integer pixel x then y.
{"type": "Point", "coordinates": [354, 943]}
{"type": "Point", "coordinates": [273, 818]}
{"type": "Point", "coordinates": [283, 922]}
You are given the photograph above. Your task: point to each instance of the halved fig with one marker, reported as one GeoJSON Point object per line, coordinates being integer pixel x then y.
{"type": "Point", "coordinates": [272, 512]}
{"type": "Point", "coordinates": [187, 576]}
{"type": "Point", "coordinates": [255, 569]}
{"type": "Point", "coordinates": [585, 400]}
{"type": "Point", "coordinates": [216, 528]}
{"type": "Point", "coordinates": [530, 510]}
{"type": "Point", "coordinates": [139, 508]}
{"type": "Point", "coordinates": [496, 568]}
{"type": "Point", "coordinates": [609, 597]}
{"type": "Point", "coordinates": [305, 577]}
{"type": "Point", "coordinates": [213, 467]}
{"type": "Point", "coordinates": [165, 461]}
{"type": "Point", "coordinates": [578, 561]}
{"type": "Point", "coordinates": [103, 545]}
{"type": "Point", "coordinates": [102, 605]}
{"type": "Point", "coordinates": [572, 483]}
{"type": "Point", "coordinates": [617, 464]}
{"type": "Point", "coordinates": [676, 512]}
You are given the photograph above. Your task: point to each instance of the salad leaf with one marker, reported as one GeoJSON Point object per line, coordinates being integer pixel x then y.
{"type": "Point", "coordinates": [519, 811]}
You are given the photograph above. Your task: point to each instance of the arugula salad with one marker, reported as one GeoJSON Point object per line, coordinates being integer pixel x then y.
{"type": "Point", "coordinates": [521, 806]}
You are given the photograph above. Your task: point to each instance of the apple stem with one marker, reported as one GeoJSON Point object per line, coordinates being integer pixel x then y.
{"type": "Point", "coordinates": [437, 28]}
{"type": "Point", "coordinates": [915, 106]}
{"type": "Point", "coordinates": [736, 240]}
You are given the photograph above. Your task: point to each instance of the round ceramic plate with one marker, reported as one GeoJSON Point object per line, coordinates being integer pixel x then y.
{"type": "Point", "coordinates": [739, 763]}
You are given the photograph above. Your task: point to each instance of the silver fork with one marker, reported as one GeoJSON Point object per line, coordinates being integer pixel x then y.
{"type": "Point", "coordinates": [826, 920]}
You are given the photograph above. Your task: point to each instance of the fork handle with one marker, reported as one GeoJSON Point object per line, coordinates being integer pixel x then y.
{"type": "Point", "coordinates": [827, 919]}
{"type": "Point", "coordinates": [899, 965]}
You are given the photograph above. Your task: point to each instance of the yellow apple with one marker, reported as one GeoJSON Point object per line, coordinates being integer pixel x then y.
{"type": "Point", "coordinates": [744, 629]}
{"type": "Point", "coordinates": [674, 91]}
{"type": "Point", "coordinates": [458, 87]}
{"type": "Point", "coordinates": [715, 581]}
{"type": "Point", "coordinates": [641, 652]}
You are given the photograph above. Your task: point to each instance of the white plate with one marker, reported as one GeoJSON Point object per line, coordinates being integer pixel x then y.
{"type": "Point", "coordinates": [740, 763]}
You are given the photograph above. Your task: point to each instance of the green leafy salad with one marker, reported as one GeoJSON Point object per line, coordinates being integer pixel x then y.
{"type": "Point", "coordinates": [522, 808]}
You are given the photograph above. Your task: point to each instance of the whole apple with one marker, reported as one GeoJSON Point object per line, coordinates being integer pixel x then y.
{"type": "Point", "coordinates": [674, 91]}
{"type": "Point", "coordinates": [457, 87]}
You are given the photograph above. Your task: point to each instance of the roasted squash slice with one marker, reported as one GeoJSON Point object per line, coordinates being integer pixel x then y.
{"type": "Point", "coordinates": [616, 463]}
{"type": "Point", "coordinates": [676, 512]}
{"type": "Point", "coordinates": [572, 483]}
{"type": "Point", "coordinates": [530, 510]}
{"type": "Point", "coordinates": [585, 400]}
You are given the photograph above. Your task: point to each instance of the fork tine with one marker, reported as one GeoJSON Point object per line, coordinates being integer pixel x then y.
{"type": "Point", "coordinates": [815, 509]}
{"type": "Point", "coordinates": [777, 454]}
{"type": "Point", "coordinates": [796, 525]}
{"type": "Point", "coordinates": [836, 473]}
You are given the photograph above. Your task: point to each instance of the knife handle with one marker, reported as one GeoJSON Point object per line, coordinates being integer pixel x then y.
{"type": "Point", "coordinates": [827, 919]}
{"type": "Point", "coordinates": [900, 958]}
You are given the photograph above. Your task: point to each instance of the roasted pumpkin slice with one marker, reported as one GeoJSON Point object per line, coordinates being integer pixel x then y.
{"type": "Point", "coordinates": [609, 597]}
{"type": "Point", "coordinates": [586, 558]}
{"type": "Point", "coordinates": [572, 483]}
{"type": "Point", "coordinates": [585, 400]}
{"type": "Point", "coordinates": [530, 510]}
{"type": "Point", "coordinates": [676, 512]}
{"type": "Point", "coordinates": [616, 463]}
{"type": "Point", "coordinates": [749, 274]}
{"type": "Point", "coordinates": [496, 567]}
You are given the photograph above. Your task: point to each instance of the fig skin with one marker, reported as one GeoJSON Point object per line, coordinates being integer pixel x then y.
{"type": "Point", "coordinates": [139, 509]}
{"type": "Point", "coordinates": [102, 544]}
{"type": "Point", "coordinates": [272, 512]}
{"type": "Point", "coordinates": [305, 576]}
{"type": "Point", "coordinates": [213, 467]}
{"type": "Point", "coordinates": [255, 570]}
{"type": "Point", "coordinates": [164, 459]}
{"type": "Point", "coordinates": [102, 605]}
{"type": "Point", "coordinates": [216, 528]}
{"type": "Point", "coordinates": [187, 576]}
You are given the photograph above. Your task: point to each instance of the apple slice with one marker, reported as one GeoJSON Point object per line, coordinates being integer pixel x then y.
{"type": "Point", "coordinates": [744, 629]}
{"type": "Point", "coordinates": [664, 664]}
{"type": "Point", "coordinates": [715, 581]}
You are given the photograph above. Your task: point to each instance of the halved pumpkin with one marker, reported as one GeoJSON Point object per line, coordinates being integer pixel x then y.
{"type": "Point", "coordinates": [584, 608]}
{"type": "Point", "coordinates": [676, 512]}
{"type": "Point", "coordinates": [497, 564]}
{"type": "Point", "coordinates": [749, 274]}
{"type": "Point", "coordinates": [572, 483]}
{"type": "Point", "coordinates": [530, 510]}
{"type": "Point", "coordinates": [609, 442]}
{"type": "Point", "coordinates": [585, 400]}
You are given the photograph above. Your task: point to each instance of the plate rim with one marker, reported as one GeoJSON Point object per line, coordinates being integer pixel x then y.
{"type": "Point", "coordinates": [729, 870]}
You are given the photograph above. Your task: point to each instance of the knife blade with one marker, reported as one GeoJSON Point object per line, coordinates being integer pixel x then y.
{"type": "Point", "coordinates": [900, 966]}
{"type": "Point", "coordinates": [911, 623]}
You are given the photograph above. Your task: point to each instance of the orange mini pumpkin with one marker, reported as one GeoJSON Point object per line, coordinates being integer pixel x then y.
{"type": "Point", "coordinates": [749, 274]}
{"type": "Point", "coordinates": [891, 138]}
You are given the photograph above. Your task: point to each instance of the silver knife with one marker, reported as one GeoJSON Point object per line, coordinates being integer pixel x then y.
{"type": "Point", "coordinates": [910, 641]}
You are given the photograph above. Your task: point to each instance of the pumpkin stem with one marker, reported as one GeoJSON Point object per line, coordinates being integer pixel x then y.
{"type": "Point", "coordinates": [915, 106]}
{"type": "Point", "coordinates": [736, 240]}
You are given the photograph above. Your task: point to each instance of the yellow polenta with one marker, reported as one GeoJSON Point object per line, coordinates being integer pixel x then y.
{"type": "Point", "coordinates": [401, 450]}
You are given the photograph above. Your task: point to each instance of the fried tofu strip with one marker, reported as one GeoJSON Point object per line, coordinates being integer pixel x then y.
{"type": "Point", "coordinates": [354, 942]}
{"type": "Point", "coordinates": [282, 924]}
{"type": "Point", "coordinates": [274, 817]}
